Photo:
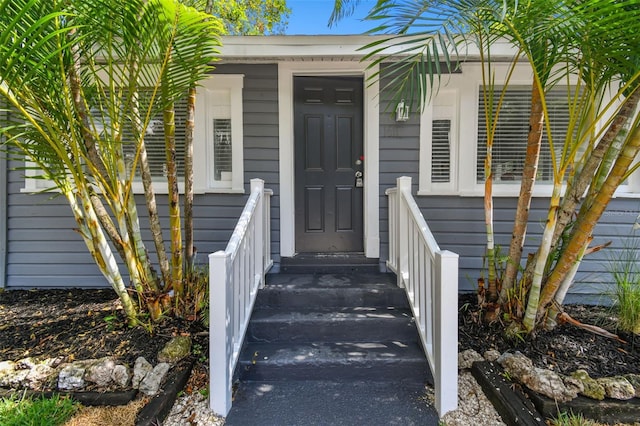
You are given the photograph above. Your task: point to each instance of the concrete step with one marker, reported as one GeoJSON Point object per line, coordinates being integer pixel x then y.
{"type": "Point", "coordinates": [331, 290]}
{"type": "Point", "coordinates": [335, 361]}
{"type": "Point", "coordinates": [332, 327]}
{"type": "Point", "coordinates": [355, 324]}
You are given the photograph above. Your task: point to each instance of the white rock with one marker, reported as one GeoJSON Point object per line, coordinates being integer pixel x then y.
{"type": "Point", "coordinates": [617, 387]}
{"type": "Point", "coordinates": [140, 369]}
{"type": "Point", "coordinates": [40, 375]}
{"type": "Point", "coordinates": [467, 358]}
{"type": "Point", "coordinates": [491, 355]}
{"type": "Point", "coordinates": [545, 382]}
{"type": "Point", "coordinates": [100, 372]}
{"type": "Point", "coordinates": [25, 363]}
{"type": "Point", "coordinates": [121, 375]}
{"type": "Point", "coordinates": [193, 410]}
{"type": "Point", "coordinates": [15, 379]}
{"type": "Point", "coordinates": [6, 370]}
{"type": "Point", "coordinates": [71, 377]}
{"type": "Point", "coordinates": [152, 381]}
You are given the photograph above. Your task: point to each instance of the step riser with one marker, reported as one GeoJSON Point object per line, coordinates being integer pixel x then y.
{"type": "Point", "coordinates": [303, 298]}
{"type": "Point", "coordinates": [367, 330]}
{"type": "Point", "coordinates": [416, 372]}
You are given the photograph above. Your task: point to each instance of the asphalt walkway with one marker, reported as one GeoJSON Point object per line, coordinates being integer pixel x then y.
{"type": "Point", "coordinates": [318, 403]}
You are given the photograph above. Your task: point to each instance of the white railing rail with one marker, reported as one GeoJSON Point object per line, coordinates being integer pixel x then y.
{"type": "Point", "coordinates": [430, 277]}
{"type": "Point", "coordinates": [235, 275]}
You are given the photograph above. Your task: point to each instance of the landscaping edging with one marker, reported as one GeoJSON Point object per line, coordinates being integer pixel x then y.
{"type": "Point", "coordinates": [157, 409]}
{"type": "Point", "coordinates": [531, 409]}
{"type": "Point", "coordinates": [508, 400]}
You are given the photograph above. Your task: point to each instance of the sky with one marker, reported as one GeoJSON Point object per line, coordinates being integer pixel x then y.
{"type": "Point", "coordinates": [311, 17]}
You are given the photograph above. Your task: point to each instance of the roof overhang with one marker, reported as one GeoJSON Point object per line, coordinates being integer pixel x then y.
{"type": "Point", "coordinates": [324, 48]}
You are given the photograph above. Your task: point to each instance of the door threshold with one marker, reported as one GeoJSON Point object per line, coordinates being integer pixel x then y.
{"type": "Point", "coordinates": [334, 262]}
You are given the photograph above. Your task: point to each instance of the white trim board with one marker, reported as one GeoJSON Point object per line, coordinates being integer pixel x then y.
{"type": "Point", "coordinates": [371, 110]}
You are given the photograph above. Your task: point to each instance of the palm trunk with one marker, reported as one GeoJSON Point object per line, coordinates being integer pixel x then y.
{"type": "Point", "coordinates": [154, 217]}
{"type": "Point", "coordinates": [533, 302]}
{"type": "Point", "coordinates": [490, 123]}
{"type": "Point", "coordinates": [588, 218]}
{"type": "Point", "coordinates": [174, 201]}
{"type": "Point", "coordinates": [574, 193]}
{"type": "Point", "coordinates": [97, 244]}
{"type": "Point", "coordinates": [492, 290]}
{"type": "Point", "coordinates": [149, 195]}
{"type": "Point", "coordinates": [188, 179]}
{"type": "Point", "coordinates": [107, 223]}
{"type": "Point", "coordinates": [558, 299]}
{"type": "Point", "coordinates": [75, 86]}
{"type": "Point", "coordinates": [529, 172]}
{"type": "Point", "coordinates": [138, 244]}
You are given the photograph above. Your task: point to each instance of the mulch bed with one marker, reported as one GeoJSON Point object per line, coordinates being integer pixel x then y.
{"type": "Point", "coordinates": [80, 324]}
{"type": "Point", "coordinates": [563, 349]}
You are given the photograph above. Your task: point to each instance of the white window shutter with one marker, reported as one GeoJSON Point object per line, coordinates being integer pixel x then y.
{"type": "Point", "coordinates": [441, 151]}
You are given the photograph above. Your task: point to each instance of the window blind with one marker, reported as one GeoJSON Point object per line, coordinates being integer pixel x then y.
{"type": "Point", "coordinates": [155, 144]}
{"type": "Point", "coordinates": [222, 149]}
{"type": "Point", "coordinates": [510, 139]}
{"type": "Point", "coordinates": [441, 151]}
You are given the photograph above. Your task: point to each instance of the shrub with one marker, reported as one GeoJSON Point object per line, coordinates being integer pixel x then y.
{"type": "Point", "coordinates": [624, 267]}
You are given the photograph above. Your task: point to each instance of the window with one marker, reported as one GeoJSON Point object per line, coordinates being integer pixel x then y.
{"type": "Point", "coordinates": [438, 143]}
{"type": "Point", "coordinates": [510, 139]}
{"type": "Point", "coordinates": [219, 123]}
{"type": "Point", "coordinates": [453, 136]}
{"type": "Point", "coordinates": [218, 141]}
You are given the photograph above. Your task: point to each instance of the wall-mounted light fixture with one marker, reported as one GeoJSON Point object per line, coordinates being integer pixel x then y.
{"type": "Point", "coordinates": [402, 111]}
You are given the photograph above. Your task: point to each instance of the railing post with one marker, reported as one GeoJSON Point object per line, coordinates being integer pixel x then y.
{"type": "Point", "coordinates": [446, 332]}
{"type": "Point", "coordinates": [403, 183]}
{"type": "Point", "coordinates": [220, 340]}
{"type": "Point", "coordinates": [258, 185]}
{"type": "Point", "coordinates": [267, 231]}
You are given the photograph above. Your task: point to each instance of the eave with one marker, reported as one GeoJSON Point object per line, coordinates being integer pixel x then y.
{"type": "Point", "coordinates": [270, 49]}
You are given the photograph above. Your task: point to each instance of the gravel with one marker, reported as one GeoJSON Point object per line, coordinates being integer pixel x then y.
{"type": "Point", "coordinates": [192, 409]}
{"type": "Point", "coordinates": [473, 406]}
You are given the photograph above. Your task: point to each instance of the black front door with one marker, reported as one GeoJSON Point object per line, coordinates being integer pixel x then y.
{"type": "Point", "coordinates": [328, 161]}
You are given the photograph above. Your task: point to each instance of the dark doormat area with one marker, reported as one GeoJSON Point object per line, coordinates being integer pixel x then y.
{"type": "Point", "coordinates": [317, 403]}
{"type": "Point", "coordinates": [525, 407]}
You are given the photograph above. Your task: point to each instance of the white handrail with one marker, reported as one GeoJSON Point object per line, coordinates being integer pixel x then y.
{"type": "Point", "coordinates": [235, 275]}
{"type": "Point", "coordinates": [430, 277]}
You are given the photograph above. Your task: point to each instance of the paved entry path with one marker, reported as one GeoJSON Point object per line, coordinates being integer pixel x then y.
{"type": "Point", "coordinates": [307, 403]}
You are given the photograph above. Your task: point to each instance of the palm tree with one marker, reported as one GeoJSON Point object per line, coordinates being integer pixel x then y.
{"type": "Point", "coordinates": [595, 40]}
{"type": "Point", "coordinates": [83, 79]}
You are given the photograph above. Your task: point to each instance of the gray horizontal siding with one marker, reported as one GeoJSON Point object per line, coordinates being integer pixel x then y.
{"type": "Point", "coordinates": [458, 225]}
{"type": "Point", "coordinates": [45, 251]}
